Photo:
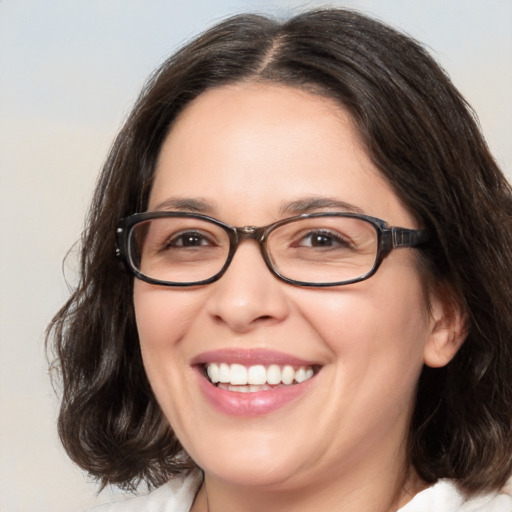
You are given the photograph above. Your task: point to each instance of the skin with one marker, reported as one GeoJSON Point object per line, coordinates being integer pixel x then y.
{"type": "Point", "coordinates": [246, 151]}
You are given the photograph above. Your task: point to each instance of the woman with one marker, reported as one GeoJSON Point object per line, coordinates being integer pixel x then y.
{"type": "Point", "coordinates": [314, 311]}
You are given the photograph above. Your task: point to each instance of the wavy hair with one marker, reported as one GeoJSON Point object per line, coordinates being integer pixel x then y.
{"type": "Point", "coordinates": [425, 140]}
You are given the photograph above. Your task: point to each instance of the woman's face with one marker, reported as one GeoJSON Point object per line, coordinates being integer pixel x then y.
{"type": "Point", "coordinates": [251, 155]}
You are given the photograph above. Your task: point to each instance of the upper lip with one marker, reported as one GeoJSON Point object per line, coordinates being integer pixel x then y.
{"type": "Point", "coordinates": [250, 357]}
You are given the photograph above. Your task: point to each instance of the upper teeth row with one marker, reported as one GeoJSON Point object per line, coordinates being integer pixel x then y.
{"type": "Point", "coordinates": [240, 375]}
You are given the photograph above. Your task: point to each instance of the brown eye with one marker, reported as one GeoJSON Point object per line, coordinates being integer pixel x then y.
{"type": "Point", "coordinates": [322, 239]}
{"type": "Point", "coordinates": [189, 239]}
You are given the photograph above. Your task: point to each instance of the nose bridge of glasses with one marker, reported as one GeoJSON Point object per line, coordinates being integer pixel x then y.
{"type": "Point", "coordinates": [250, 232]}
{"type": "Point", "coordinates": [258, 234]}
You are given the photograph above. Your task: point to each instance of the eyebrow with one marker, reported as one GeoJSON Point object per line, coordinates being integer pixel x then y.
{"type": "Point", "coordinates": [310, 204]}
{"type": "Point", "coordinates": [297, 207]}
{"type": "Point", "coordinates": [186, 204]}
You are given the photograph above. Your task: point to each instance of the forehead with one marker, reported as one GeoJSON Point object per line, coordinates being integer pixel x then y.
{"type": "Point", "coordinates": [251, 147]}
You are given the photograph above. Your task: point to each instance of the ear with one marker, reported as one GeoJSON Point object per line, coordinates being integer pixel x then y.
{"type": "Point", "coordinates": [448, 328]}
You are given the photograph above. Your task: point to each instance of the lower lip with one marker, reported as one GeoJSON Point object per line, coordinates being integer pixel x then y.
{"type": "Point", "coordinates": [253, 403]}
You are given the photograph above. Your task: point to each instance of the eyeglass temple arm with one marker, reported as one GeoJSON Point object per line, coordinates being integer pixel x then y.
{"type": "Point", "coordinates": [402, 237]}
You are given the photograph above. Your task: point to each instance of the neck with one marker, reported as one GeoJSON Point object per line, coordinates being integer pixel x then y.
{"type": "Point", "coordinates": [383, 493]}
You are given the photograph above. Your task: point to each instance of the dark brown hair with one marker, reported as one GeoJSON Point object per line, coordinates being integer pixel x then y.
{"type": "Point", "coordinates": [423, 137]}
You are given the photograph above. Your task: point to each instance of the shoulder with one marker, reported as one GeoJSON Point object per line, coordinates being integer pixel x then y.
{"type": "Point", "coordinates": [176, 495]}
{"type": "Point", "coordinates": [444, 497]}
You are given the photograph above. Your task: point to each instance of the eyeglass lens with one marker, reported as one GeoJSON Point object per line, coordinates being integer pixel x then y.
{"type": "Point", "coordinates": [313, 250]}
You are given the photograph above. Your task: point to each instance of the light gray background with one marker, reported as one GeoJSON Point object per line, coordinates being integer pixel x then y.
{"type": "Point", "coordinates": [69, 72]}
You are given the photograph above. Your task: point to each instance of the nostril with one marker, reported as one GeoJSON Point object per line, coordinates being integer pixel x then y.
{"type": "Point", "coordinates": [264, 317]}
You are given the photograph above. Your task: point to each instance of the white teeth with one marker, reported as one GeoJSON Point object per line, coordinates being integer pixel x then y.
{"type": "Point", "coordinates": [288, 375]}
{"type": "Point", "coordinates": [224, 373]}
{"type": "Point", "coordinates": [237, 377]}
{"type": "Point", "coordinates": [274, 374]}
{"type": "Point", "coordinates": [213, 372]}
{"type": "Point", "coordinates": [244, 389]}
{"type": "Point", "coordinates": [257, 375]}
{"type": "Point", "coordinates": [300, 375]}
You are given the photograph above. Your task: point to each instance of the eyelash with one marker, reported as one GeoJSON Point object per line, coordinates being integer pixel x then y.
{"type": "Point", "coordinates": [340, 240]}
{"type": "Point", "coordinates": [171, 241]}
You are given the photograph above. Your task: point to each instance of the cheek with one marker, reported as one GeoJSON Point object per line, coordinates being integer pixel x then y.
{"type": "Point", "coordinates": [162, 315]}
{"type": "Point", "coordinates": [376, 326]}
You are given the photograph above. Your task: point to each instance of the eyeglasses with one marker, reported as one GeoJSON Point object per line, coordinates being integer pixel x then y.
{"type": "Point", "coordinates": [317, 249]}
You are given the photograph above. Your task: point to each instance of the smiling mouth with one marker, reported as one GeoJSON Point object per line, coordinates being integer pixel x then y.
{"type": "Point", "coordinates": [251, 379]}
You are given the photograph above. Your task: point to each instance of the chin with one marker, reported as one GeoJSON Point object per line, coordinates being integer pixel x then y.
{"type": "Point", "coordinates": [251, 474]}
{"type": "Point", "coordinates": [254, 466]}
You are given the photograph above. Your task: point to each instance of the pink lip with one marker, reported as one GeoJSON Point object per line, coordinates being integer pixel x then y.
{"type": "Point", "coordinates": [250, 357]}
{"type": "Point", "coordinates": [255, 403]}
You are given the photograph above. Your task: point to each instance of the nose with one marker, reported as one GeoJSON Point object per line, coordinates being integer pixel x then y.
{"type": "Point", "coordinates": [248, 294]}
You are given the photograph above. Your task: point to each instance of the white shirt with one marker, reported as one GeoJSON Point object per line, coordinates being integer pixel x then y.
{"type": "Point", "coordinates": [178, 494]}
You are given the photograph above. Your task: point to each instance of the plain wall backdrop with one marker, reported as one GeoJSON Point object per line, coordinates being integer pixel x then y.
{"type": "Point", "coordinates": [69, 72]}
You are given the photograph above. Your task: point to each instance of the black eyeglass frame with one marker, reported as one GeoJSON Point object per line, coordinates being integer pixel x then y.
{"type": "Point", "coordinates": [388, 238]}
